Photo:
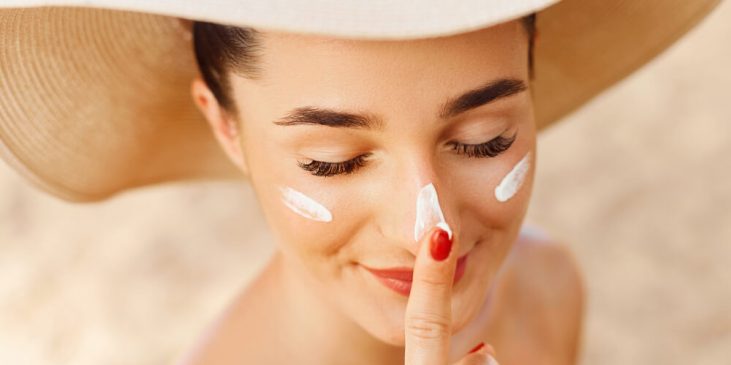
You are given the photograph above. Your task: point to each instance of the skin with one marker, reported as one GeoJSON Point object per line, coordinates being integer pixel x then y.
{"type": "Point", "coordinates": [314, 301]}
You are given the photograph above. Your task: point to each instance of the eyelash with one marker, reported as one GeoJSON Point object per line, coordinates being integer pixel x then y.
{"type": "Point", "coordinates": [321, 168]}
{"type": "Point", "coordinates": [491, 148]}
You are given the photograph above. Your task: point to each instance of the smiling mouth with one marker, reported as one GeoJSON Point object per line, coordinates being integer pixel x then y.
{"type": "Point", "coordinates": [399, 279]}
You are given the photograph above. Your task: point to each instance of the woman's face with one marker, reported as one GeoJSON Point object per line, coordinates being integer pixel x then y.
{"type": "Point", "coordinates": [340, 190]}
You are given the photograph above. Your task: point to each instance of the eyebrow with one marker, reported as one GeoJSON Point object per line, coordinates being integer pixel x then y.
{"type": "Point", "coordinates": [480, 96]}
{"type": "Point", "coordinates": [330, 118]}
{"type": "Point", "coordinates": [488, 92]}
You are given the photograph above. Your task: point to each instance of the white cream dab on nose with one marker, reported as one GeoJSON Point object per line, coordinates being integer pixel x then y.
{"type": "Point", "coordinates": [304, 205]}
{"type": "Point", "coordinates": [513, 180]}
{"type": "Point", "coordinates": [428, 212]}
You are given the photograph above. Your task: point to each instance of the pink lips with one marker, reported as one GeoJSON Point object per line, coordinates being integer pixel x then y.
{"type": "Point", "coordinates": [399, 279]}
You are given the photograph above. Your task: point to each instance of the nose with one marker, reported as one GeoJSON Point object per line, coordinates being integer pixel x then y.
{"type": "Point", "coordinates": [417, 198]}
{"type": "Point", "coordinates": [428, 212]}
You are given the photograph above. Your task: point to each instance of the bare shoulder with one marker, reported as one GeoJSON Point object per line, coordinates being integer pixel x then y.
{"type": "Point", "coordinates": [546, 267]}
{"type": "Point", "coordinates": [542, 293]}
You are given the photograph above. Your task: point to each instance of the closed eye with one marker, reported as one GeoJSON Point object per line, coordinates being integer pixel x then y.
{"type": "Point", "coordinates": [322, 168]}
{"type": "Point", "coordinates": [491, 148]}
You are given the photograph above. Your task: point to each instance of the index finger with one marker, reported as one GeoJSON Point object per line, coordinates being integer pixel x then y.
{"type": "Point", "coordinates": [428, 318]}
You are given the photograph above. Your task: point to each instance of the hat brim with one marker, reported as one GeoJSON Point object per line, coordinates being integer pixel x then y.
{"type": "Point", "coordinates": [94, 101]}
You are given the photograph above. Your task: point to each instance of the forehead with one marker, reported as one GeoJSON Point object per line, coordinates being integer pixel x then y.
{"type": "Point", "coordinates": [316, 70]}
{"type": "Point", "coordinates": [288, 51]}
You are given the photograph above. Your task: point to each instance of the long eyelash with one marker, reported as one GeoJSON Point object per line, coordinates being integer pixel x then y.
{"type": "Point", "coordinates": [490, 148]}
{"type": "Point", "coordinates": [321, 168]}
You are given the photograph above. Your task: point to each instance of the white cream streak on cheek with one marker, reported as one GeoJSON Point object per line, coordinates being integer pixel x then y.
{"type": "Point", "coordinates": [513, 180]}
{"type": "Point", "coordinates": [428, 212]}
{"type": "Point", "coordinates": [304, 205]}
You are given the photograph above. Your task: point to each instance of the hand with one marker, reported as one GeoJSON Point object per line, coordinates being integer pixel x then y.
{"type": "Point", "coordinates": [428, 319]}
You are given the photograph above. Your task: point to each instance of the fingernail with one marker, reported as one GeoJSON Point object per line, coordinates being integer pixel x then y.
{"type": "Point", "coordinates": [477, 348]}
{"type": "Point", "coordinates": [441, 244]}
{"type": "Point", "coordinates": [491, 360]}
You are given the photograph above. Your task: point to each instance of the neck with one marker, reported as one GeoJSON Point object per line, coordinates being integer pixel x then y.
{"type": "Point", "coordinates": [315, 326]}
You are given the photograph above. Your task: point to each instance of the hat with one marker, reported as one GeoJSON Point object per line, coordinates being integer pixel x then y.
{"type": "Point", "coordinates": [95, 94]}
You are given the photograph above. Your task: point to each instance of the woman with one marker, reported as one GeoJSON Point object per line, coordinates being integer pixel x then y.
{"type": "Point", "coordinates": [395, 173]}
{"type": "Point", "coordinates": [454, 112]}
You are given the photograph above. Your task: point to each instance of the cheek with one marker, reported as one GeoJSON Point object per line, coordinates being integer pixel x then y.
{"type": "Point", "coordinates": [496, 196]}
{"type": "Point", "coordinates": [299, 212]}
{"type": "Point", "coordinates": [513, 180]}
{"type": "Point", "coordinates": [308, 224]}
{"type": "Point", "coordinates": [311, 222]}
{"type": "Point", "coordinates": [303, 205]}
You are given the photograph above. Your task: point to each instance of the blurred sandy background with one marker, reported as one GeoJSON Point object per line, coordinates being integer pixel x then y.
{"type": "Point", "coordinates": [638, 183]}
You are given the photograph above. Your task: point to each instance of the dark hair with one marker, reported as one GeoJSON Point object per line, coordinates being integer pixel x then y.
{"type": "Point", "coordinates": [220, 49]}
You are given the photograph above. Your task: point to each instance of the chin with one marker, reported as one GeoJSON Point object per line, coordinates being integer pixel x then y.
{"type": "Point", "coordinates": [391, 333]}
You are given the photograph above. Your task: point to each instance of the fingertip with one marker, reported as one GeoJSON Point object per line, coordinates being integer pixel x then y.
{"type": "Point", "coordinates": [483, 353]}
{"type": "Point", "coordinates": [445, 227]}
{"type": "Point", "coordinates": [441, 245]}
{"type": "Point", "coordinates": [477, 348]}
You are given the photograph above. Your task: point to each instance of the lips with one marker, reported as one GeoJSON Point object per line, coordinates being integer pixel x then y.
{"type": "Point", "coordinates": [399, 279]}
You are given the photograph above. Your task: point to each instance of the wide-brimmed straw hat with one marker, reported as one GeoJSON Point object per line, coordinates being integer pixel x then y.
{"type": "Point", "coordinates": [95, 94]}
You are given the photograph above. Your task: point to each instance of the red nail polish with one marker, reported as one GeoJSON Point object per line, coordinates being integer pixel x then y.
{"type": "Point", "coordinates": [477, 348]}
{"type": "Point", "coordinates": [440, 245]}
